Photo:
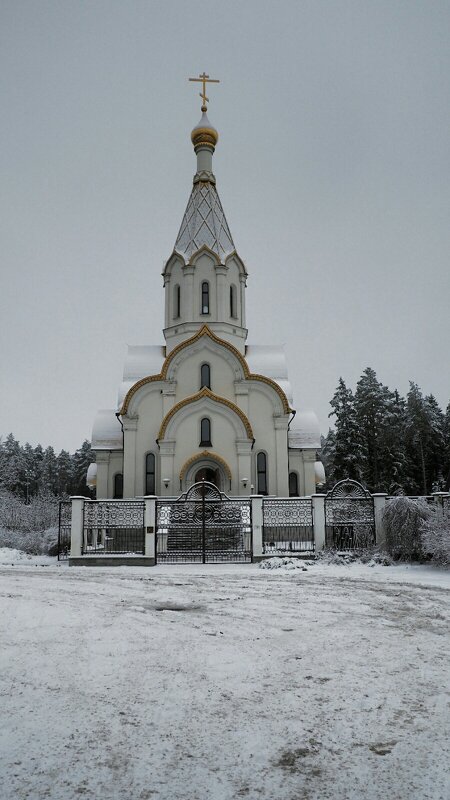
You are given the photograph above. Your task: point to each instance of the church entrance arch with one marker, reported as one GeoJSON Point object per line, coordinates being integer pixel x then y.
{"type": "Point", "coordinates": [203, 525]}
{"type": "Point", "coordinates": [208, 474]}
{"type": "Point", "coordinates": [206, 466]}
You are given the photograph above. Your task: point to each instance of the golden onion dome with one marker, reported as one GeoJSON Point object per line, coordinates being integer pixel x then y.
{"type": "Point", "coordinates": [204, 134]}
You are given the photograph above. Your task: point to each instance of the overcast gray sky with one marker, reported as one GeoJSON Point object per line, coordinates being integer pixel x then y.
{"type": "Point", "coordinates": [332, 167]}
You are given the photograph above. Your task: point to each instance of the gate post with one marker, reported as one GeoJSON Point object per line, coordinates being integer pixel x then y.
{"type": "Point", "coordinates": [438, 498]}
{"type": "Point", "coordinates": [150, 527]}
{"type": "Point", "coordinates": [379, 503]}
{"type": "Point", "coordinates": [76, 526]}
{"type": "Point", "coordinates": [318, 507]}
{"type": "Point", "coordinates": [257, 526]}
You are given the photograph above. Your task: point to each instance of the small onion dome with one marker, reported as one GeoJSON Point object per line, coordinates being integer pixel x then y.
{"type": "Point", "coordinates": [319, 472]}
{"type": "Point", "coordinates": [204, 133]}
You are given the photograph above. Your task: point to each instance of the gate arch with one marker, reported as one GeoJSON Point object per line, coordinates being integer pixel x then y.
{"type": "Point", "coordinates": [349, 516]}
{"type": "Point", "coordinates": [203, 525]}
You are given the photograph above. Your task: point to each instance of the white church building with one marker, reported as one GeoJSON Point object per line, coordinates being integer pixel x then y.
{"type": "Point", "coordinates": [204, 403]}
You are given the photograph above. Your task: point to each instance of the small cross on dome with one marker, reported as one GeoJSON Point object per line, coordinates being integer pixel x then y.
{"type": "Point", "coordinates": [204, 79]}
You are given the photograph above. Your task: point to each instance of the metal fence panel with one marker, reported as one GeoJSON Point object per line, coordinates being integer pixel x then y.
{"type": "Point", "coordinates": [288, 525]}
{"type": "Point", "coordinates": [113, 527]}
{"type": "Point", "coordinates": [64, 529]}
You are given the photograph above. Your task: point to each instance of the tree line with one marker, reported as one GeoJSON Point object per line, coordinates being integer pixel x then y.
{"type": "Point", "coordinates": [27, 471]}
{"type": "Point", "coordinates": [387, 442]}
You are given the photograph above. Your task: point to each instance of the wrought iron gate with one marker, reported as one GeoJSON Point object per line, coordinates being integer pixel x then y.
{"type": "Point", "coordinates": [349, 517]}
{"type": "Point", "coordinates": [64, 529]}
{"type": "Point", "coordinates": [203, 525]}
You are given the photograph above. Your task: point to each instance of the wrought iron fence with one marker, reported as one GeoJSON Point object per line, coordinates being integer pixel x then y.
{"type": "Point", "coordinates": [288, 525]}
{"type": "Point", "coordinates": [64, 529]}
{"type": "Point", "coordinates": [203, 526]}
{"type": "Point", "coordinates": [349, 517]}
{"type": "Point", "coordinates": [113, 527]}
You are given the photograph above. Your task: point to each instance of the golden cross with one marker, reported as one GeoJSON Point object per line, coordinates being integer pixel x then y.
{"type": "Point", "coordinates": [204, 79]}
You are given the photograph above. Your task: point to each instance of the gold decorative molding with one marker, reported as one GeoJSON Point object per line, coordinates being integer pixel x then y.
{"type": "Point", "coordinates": [205, 331]}
{"type": "Point", "coordinates": [200, 457]}
{"type": "Point", "coordinates": [199, 396]}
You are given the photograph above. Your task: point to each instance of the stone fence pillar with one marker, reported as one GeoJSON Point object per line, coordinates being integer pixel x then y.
{"type": "Point", "coordinates": [379, 504]}
{"type": "Point", "coordinates": [76, 526]}
{"type": "Point", "coordinates": [318, 510]}
{"type": "Point", "coordinates": [439, 501]}
{"type": "Point", "coordinates": [257, 526]}
{"type": "Point", "coordinates": [150, 526]}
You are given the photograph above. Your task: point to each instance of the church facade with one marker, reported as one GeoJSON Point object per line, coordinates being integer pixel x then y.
{"type": "Point", "coordinates": [205, 404]}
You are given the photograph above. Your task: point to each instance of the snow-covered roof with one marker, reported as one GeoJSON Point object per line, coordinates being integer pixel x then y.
{"type": "Point", "coordinates": [107, 431]}
{"type": "Point", "coordinates": [124, 387]}
{"type": "Point", "coordinates": [143, 360]}
{"type": "Point", "coordinates": [203, 223]}
{"type": "Point", "coordinates": [270, 360]}
{"type": "Point", "coordinates": [304, 432]}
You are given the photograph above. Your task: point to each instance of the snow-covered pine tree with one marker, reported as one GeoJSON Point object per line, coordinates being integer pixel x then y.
{"type": "Point", "coordinates": [64, 471]}
{"type": "Point", "coordinates": [425, 438]}
{"type": "Point", "coordinates": [395, 468]}
{"type": "Point", "coordinates": [48, 482]}
{"type": "Point", "coordinates": [372, 402]}
{"type": "Point", "coordinates": [347, 446]}
{"type": "Point", "coordinates": [446, 467]}
{"type": "Point", "coordinates": [81, 460]}
{"type": "Point", "coordinates": [435, 450]}
{"type": "Point", "coordinates": [12, 466]}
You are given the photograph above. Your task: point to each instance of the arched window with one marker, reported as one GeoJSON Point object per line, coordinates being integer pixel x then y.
{"type": "Point", "coordinates": [205, 432]}
{"type": "Point", "coordinates": [261, 473]}
{"type": "Point", "coordinates": [118, 486]}
{"type": "Point", "coordinates": [205, 376]}
{"type": "Point", "coordinates": [205, 298]}
{"type": "Point", "coordinates": [233, 309]}
{"type": "Point", "coordinates": [176, 301]}
{"type": "Point", "coordinates": [150, 483]}
{"type": "Point", "coordinates": [293, 484]}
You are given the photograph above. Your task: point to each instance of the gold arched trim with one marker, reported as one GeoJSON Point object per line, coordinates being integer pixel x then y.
{"type": "Point", "coordinates": [205, 331]}
{"type": "Point", "coordinates": [198, 396]}
{"type": "Point", "coordinates": [209, 252]}
{"type": "Point", "coordinates": [199, 457]}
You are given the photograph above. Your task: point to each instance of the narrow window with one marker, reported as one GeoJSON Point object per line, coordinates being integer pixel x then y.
{"type": "Point", "coordinates": [205, 376]}
{"type": "Point", "coordinates": [176, 301]}
{"type": "Point", "coordinates": [205, 297]}
{"type": "Point", "coordinates": [233, 312]}
{"type": "Point", "coordinates": [293, 484]}
{"type": "Point", "coordinates": [118, 486]}
{"type": "Point", "coordinates": [261, 470]}
{"type": "Point", "coordinates": [150, 473]}
{"type": "Point", "coordinates": [205, 433]}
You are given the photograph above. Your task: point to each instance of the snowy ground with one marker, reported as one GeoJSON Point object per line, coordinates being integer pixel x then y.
{"type": "Point", "coordinates": [224, 682]}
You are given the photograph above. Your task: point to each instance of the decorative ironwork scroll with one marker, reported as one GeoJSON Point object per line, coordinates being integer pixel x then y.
{"type": "Point", "coordinates": [287, 525]}
{"type": "Point", "coordinates": [113, 527]}
{"type": "Point", "coordinates": [64, 529]}
{"type": "Point", "coordinates": [203, 525]}
{"type": "Point", "coordinates": [349, 517]}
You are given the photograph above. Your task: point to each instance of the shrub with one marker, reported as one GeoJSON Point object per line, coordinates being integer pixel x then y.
{"type": "Point", "coordinates": [33, 542]}
{"type": "Point", "coordinates": [435, 533]}
{"type": "Point", "coordinates": [403, 519]}
{"type": "Point", "coordinates": [38, 515]}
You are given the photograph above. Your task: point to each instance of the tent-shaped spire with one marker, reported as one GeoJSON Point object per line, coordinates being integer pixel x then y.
{"type": "Point", "coordinates": [204, 221]}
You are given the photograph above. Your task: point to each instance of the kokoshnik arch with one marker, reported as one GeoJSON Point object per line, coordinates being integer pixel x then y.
{"type": "Point", "coordinates": [205, 404]}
